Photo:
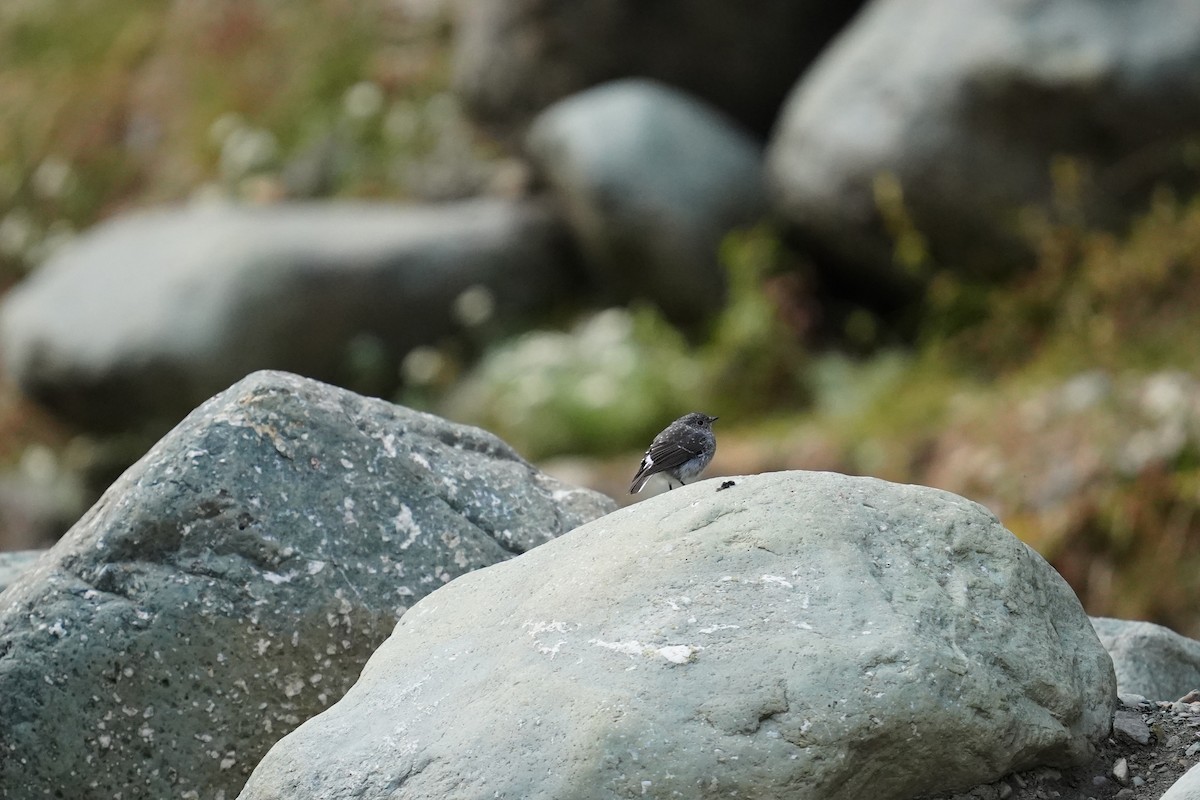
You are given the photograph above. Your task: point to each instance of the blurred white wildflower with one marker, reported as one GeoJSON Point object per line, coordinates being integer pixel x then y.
{"type": "Point", "coordinates": [246, 150]}
{"type": "Point", "coordinates": [17, 233]}
{"type": "Point", "coordinates": [422, 366]}
{"type": "Point", "coordinates": [363, 100]}
{"type": "Point", "coordinates": [52, 178]}
{"type": "Point", "coordinates": [474, 306]}
{"type": "Point", "coordinates": [403, 122]}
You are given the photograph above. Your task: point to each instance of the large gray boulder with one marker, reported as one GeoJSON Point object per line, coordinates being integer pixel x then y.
{"type": "Point", "coordinates": [234, 581]}
{"type": "Point", "coordinates": [650, 180]}
{"type": "Point", "coordinates": [515, 57]}
{"type": "Point", "coordinates": [149, 314]}
{"type": "Point", "coordinates": [952, 114]}
{"type": "Point", "coordinates": [1150, 660]}
{"type": "Point", "coordinates": [800, 635]}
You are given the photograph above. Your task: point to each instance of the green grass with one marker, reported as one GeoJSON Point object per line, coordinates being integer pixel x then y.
{"type": "Point", "coordinates": [109, 104]}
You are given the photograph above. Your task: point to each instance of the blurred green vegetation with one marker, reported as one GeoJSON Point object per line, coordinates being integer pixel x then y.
{"type": "Point", "coordinates": [610, 383]}
{"type": "Point", "coordinates": [1065, 398]}
{"type": "Point", "coordinates": [109, 104]}
{"type": "Point", "coordinates": [1092, 299]}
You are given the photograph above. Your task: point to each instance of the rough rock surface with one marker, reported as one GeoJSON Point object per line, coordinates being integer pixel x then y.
{"type": "Point", "coordinates": [515, 57]}
{"type": "Point", "coordinates": [807, 635]}
{"type": "Point", "coordinates": [1149, 659]}
{"type": "Point", "coordinates": [1121, 767]}
{"type": "Point", "coordinates": [15, 562]}
{"type": "Point", "coordinates": [233, 582]}
{"type": "Point", "coordinates": [952, 113]}
{"type": "Point", "coordinates": [1187, 787]}
{"type": "Point", "coordinates": [650, 180]}
{"type": "Point", "coordinates": [150, 314]}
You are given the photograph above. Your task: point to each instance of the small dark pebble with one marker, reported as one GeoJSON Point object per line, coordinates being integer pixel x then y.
{"type": "Point", "coordinates": [726, 485]}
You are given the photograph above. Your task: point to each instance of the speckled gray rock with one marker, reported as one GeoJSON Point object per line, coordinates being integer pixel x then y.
{"type": "Point", "coordinates": [1150, 660]}
{"type": "Point", "coordinates": [1130, 725]}
{"type": "Point", "coordinates": [799, 635]}
{"type": "Point", "coordinates": [150, 314]}
{"type": "Point", "coordinates": [233, 582]}
{"type": "Point", "coordinates": [650, 180]}
{"type": "Point", "coordinates": [955, 116]}
{"type": "Point", "coordinates": [15, 562]}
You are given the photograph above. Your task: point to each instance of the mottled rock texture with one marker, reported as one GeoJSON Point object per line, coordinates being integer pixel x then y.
{"type": "Point", "coordinates": [233, 582]}
{"type": "Point", "coordinates": [799, 635]}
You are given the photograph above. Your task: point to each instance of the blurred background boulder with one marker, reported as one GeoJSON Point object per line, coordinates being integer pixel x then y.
{"type": "Point", "coordinates": [959, 121]}
{"type": "Point", "coordinates": [515, 57]}
{"type": "Point", "coordinates": [146, 316]}
{"type": "Point", "coordinates": [650, 214]}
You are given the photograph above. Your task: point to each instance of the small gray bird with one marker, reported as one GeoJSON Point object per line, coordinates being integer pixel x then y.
{"type": "Point", "coordinates": [682, 451]}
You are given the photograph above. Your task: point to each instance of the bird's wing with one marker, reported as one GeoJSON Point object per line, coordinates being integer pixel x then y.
{"type": "Point", "coordinates": [667, 452]}
{"type": "Point", "coordinates": [661, 457]}
{"type": "Point", "coordinates": [668, 455]}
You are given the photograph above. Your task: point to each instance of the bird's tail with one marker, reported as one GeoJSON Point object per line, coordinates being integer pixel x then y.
{"type": "Point", "coordinates": [639, 481]}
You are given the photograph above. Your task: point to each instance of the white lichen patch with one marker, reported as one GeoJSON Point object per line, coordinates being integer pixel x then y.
{"type": "Point", "coordinates": [671, 653]}
{"type": "Point", "coordinates": [678, 603]}
{"type": "Point", "coordinates": [552, 650]}
{"type": "Point", "coordinates": [631, 649]}
{"type": "Point", "coordinates": [563, 497]}
{"type": "Point", "coordinates": [404, 523]}
{"type": "Point", "coordinates": [679, 653]}
{"type": "Point", "coordinates": [293, 685]}
{"type": "Point", "coordinates": [775, 579]}
{"type": "Point", "coordinates": [535, 627]}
